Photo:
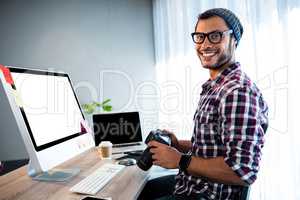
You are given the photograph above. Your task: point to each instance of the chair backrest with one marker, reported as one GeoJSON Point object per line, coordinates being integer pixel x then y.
{"type": "Point", "coordinates": [1, 167]}
{"type": "Point", "coordinates": [245, 193]}
{"type": "Point", "coordinates": [10, 165]}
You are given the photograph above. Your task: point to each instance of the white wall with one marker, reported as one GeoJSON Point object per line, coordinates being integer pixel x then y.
{"type": "Point", "coordinates": [105, 45]}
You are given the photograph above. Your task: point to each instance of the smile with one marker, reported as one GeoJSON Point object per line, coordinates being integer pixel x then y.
{"type": "Point", "coordinates": [208, 54]}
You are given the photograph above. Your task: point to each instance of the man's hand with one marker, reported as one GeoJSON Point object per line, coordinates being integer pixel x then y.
{"type": "Point", "coordinates": [164, 155]}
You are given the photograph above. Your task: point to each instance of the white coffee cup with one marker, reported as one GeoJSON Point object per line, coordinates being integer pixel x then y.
{"type": "Point", "coordinates": [105, 149]}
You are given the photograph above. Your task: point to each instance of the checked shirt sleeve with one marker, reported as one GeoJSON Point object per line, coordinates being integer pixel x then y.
{"type": "Point", "coordinates": [242, 131]}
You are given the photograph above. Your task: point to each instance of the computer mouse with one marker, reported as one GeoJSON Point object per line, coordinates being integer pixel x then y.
{"type": "Point", "coordinates": [127, 162]}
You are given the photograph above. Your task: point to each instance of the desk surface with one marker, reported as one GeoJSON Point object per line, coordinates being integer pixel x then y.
{"type": "Point", "coordinates": [18, 185]}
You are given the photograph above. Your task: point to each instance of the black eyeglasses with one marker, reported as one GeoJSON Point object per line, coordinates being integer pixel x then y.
{"type": "Point", "coordinates": [214, 37]}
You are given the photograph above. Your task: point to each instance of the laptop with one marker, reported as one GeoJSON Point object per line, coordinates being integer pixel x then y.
{"type": "Point", "coordinates": [122, 129]}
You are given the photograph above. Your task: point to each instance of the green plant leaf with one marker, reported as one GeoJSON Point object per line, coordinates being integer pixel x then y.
{"type": "Point", "coordinates": [90, 108]}
{"type": "Point", "coordinates": [106, 101]}
{"type": "Point", "coordinates": [107, 108]}
{"type": "Point", "coordinates": [97, 104]}
{"type": "Point", "coordinates": [84, 106]}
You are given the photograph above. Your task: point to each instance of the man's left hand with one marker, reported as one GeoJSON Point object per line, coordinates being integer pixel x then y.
{"type": "Point", "coordinates": [164, 155]}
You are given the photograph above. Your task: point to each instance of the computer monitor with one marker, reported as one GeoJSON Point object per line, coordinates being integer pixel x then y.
{"type": "Point", "coordinates": [48, 116]}
{"type": "Point", "coordinates": [118, 128]}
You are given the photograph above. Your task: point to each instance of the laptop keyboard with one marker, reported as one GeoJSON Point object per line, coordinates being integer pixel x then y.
{"type": "Point", "coordinates": [127, 145]}
{"type": "Point", "coordinates": [124, 149]}
{"type": "Point", "coordinates": [135, 153]}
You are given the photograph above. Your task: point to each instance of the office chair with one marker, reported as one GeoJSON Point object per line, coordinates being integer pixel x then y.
{"type": "Point", "coordinates": [245, 193]}
{"type": "Point", "coordinates": [10, 165]}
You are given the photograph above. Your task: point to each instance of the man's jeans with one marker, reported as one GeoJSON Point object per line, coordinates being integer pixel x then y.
{"type": "Point", "coordinates": [162, 188]}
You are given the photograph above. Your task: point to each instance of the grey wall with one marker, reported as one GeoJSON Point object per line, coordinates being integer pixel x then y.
{"type": "Point", "coordinates": [105, 45]}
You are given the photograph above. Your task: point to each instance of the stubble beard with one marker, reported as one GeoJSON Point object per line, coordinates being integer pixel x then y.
{"type": "Point", "coordinates": [222, 60]}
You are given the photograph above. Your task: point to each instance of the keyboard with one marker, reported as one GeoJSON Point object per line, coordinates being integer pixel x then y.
{"type": "Point", "coordinates": [140, 147]}
{"type": "Point", "coordinates": [127, 144]}
{"type": "Point", "coordinates": [98, 179]}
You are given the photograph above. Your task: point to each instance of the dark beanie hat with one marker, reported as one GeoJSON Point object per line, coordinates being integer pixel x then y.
{"type": "Point", "coordinates": [229, 17]}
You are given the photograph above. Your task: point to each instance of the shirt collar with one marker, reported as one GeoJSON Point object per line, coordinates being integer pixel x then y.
{"type": "Point", "coordinates": [220, 77]}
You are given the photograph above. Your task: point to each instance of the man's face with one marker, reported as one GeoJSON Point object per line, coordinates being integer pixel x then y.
{"type": "Point", "coordinates": [213, 56]}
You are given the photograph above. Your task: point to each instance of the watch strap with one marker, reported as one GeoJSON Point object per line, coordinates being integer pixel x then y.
{"type": "Point", "coordinates": [185, 161]}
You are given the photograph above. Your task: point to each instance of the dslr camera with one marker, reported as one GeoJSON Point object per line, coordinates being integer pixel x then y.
{"type": "Point", "coordinates": [145, 161]}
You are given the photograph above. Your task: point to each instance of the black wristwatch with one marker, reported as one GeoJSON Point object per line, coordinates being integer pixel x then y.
{"type": "Point", "coordinates": [185, 161]}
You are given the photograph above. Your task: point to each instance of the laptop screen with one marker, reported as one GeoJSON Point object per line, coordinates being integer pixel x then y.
{"type": "Point", "coordinates": [119, 128]}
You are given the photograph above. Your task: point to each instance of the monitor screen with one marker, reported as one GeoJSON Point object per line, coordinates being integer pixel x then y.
{"type": "Point", "coordinates": [118, 128]}
{"type": "Point", "coordinates": [50, 108]}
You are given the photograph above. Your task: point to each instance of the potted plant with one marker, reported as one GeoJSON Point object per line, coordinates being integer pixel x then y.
{"type": "Point", "coordinates": [95, 107]}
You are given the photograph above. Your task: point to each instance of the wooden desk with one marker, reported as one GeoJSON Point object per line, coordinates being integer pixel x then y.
{"type": "Point", "coordinates": [127, 185]}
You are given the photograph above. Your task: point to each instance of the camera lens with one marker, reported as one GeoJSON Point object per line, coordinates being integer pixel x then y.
{"type": "Point", "coordinates": [145, 161]}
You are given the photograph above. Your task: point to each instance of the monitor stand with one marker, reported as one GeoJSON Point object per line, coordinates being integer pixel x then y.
{"type": "Point", "coordinates": [53, 175]}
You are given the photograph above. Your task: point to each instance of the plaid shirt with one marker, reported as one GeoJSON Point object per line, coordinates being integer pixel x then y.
{"type": "Point", "coordinates": [230, 121]}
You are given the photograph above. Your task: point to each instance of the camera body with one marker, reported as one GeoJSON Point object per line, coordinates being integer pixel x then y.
{"type": "Point", "coordinates": [145, 161]}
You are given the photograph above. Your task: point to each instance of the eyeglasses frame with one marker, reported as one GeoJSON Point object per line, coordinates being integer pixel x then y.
{"type": "Point", "coordinates": [222, 33]}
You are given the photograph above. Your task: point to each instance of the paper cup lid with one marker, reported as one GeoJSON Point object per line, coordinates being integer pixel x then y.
{"type": "Point", "coordinates": [105, 143]}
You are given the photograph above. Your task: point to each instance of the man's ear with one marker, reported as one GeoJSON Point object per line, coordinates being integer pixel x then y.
{"type": "Point", "coordinates": [234, 41]}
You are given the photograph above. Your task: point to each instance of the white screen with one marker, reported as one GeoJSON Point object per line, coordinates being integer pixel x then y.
{"type": "Point", "coordinates": [50, 106]}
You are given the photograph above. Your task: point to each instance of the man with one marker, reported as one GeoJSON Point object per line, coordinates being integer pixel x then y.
{"type": "Point", "coordinates": [230, 122]}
